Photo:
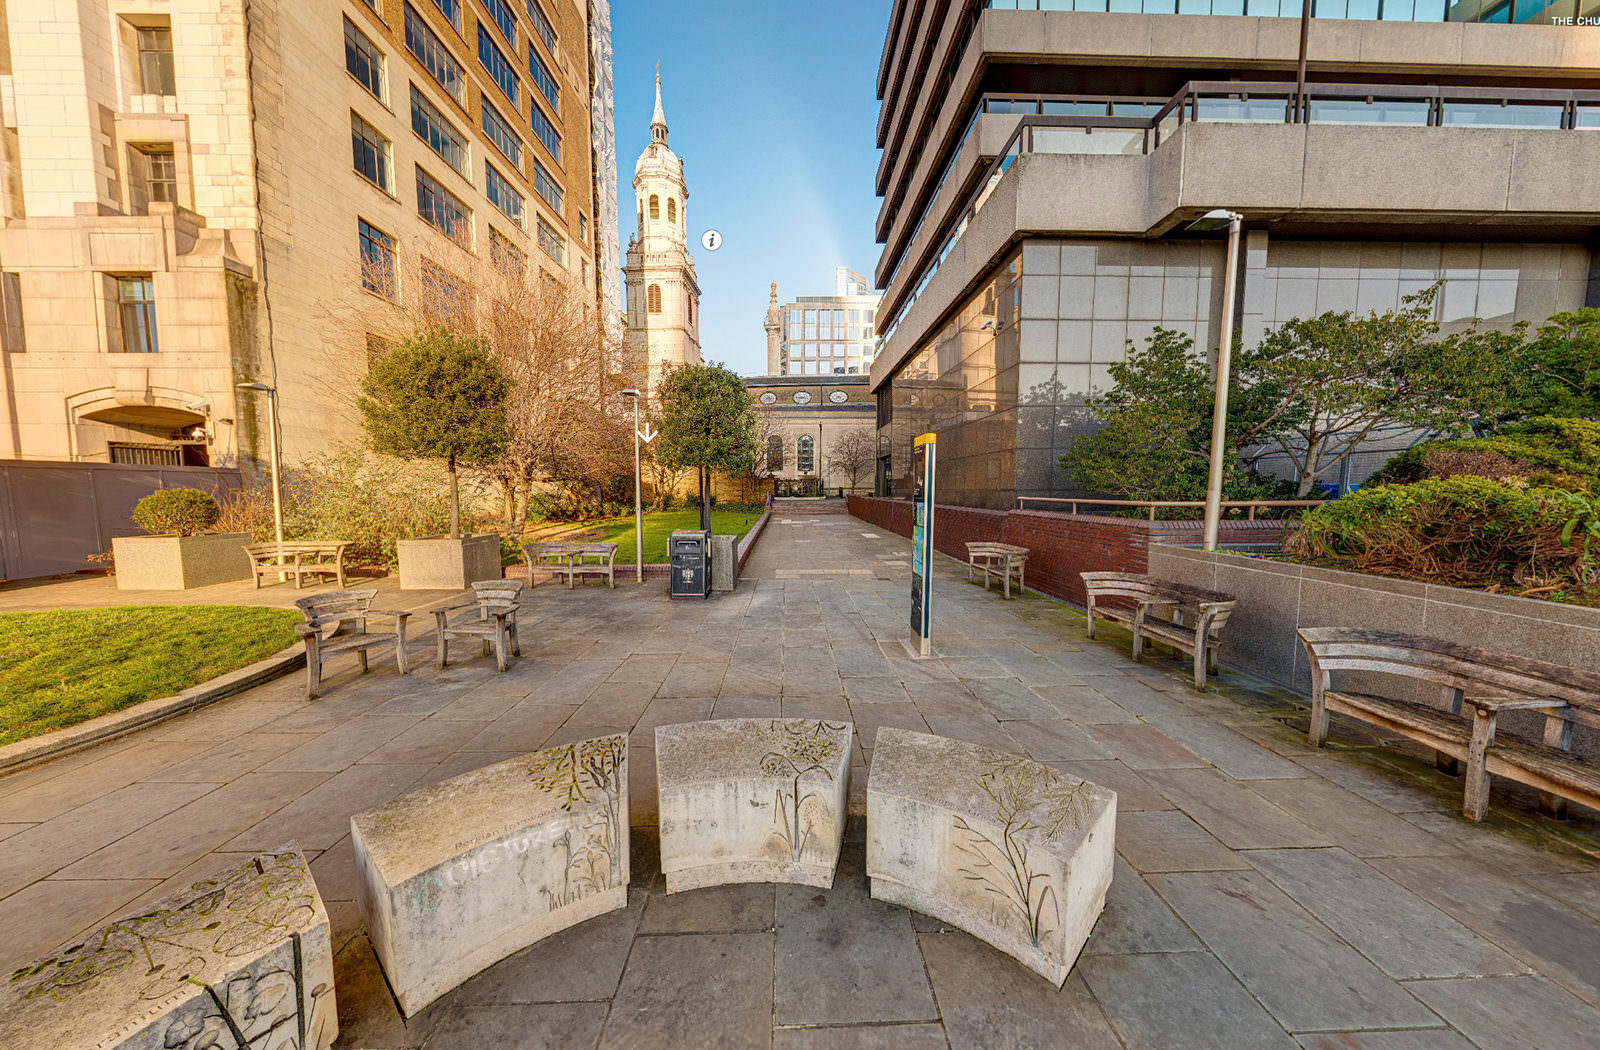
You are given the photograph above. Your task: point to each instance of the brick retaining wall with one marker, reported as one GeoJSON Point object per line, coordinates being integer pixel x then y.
{"type": "Point", "coordinates": [1062, 545]}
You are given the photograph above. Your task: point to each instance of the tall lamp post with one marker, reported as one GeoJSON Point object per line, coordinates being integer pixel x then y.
{"type": "Point", "coordinates": [638, 504]}
{"type": "Point", "coordinates": [817, 463]}
{"type": "Point", "coordinates": [1216, 219]}
{"type": "Point", "coordinates": [272, 445]}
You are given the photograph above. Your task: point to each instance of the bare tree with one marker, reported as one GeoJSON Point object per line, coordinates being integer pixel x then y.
{"type": "Point", "coordinates": [855, 454]}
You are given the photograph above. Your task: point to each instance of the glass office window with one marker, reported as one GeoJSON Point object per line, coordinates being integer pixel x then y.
{"type": "Point", "coordinates": [502, 194]}
{"type": "Point", "coordinates": [552, 243]}
{"type": "Point", "coordinates": [377, 259]}
{"type": "Point", "coordinates": [546, 133]}
{"type": "Point", "coordinates": [369, 152]}
{"type": "Point", "coordinates": [363, 60]}
{"type": "Point", "coordinates": [543, 80]}
{"type": "Point", "coordinates": [442, 209]}
{"type": "Point", "coordinates": [157, 75]}
{"type": "Point", "coordinates": [542, 24]}
{"type": "Point", "coordinates": [136, 310]}
{"type": "Point", "coordinates": [437, 131]}
{"type": "Point", "coordinates": [424, 43]}
{"type": "Point", "coordinates": [499, 132]}
{"type": "Point", "coordinates": [547, 187]}
{"type": "Point", "coordinates": [498, 65]}
{"type": "Point", "coordinates": [451, 9]}
{"type": "Point", "coordinates": [503, 17]}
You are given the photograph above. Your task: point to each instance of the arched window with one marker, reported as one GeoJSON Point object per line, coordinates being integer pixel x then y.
{"type": "Point", "coordinates": [805, 459]}
{"type": "Point", "coordinates": [652, 299]}
{"type": "Point", "coordinates": [655, 206]}
{"type": "Point", "coordinates": [672, 210]}
{"type": "Point", "coordinates": [774, 453]}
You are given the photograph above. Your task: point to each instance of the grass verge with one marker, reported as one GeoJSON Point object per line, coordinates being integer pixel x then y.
{"type": "Point", "coordinates": [658, 525]}
{"type": "Point", "coordinates": [64, 667]}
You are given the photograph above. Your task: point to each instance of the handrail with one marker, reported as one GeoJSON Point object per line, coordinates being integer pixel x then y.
{"type": "Point", "coordinates": [1153, 505]}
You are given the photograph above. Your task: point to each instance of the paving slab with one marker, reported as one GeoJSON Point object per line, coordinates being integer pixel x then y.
{"type": "Point", "coordinates": [1084, 704]}
{"type": "Point", "coordinates": [1179, 999]}
{"type": "Point", "coordinates": [1408, 1039]}
{"type": "Point", "coordinates": [1141, 746]}
{"type": "Point", "coordinates": [1239, 757]}
{"type": "Point", "coordinates": [1350, 821]}
{"type": "Point", "coordinates": [1134, 793]}
{"type": "Point", "coordinates": [540, 1026]}
{"type": "Point", "coordinates": [1055, 739]}
{"type": "Point", "coordinates": [1300, 971]}
{"type": "Point", "coordinates": [669, 983]}
{"type": "Point", "coordinates": [862, 1037]}
{"type": "Point", "coordinates": [1237, 816]}
{"type": "Point", "coordinates": [1513, 1013]}
{"type": "Point", "coordinates": [1167, 840]}
{"type": "Point", "coordinates": [1136, 919]}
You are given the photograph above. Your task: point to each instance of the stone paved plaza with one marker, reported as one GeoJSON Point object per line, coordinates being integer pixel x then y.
{"type": "Point", "coordinates": [1265, 895]}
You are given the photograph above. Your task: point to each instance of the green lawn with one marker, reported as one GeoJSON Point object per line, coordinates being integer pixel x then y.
{"type": "Point", "coordinates": [60, 668]}
{"type": "Point", "coordinates": [658, 525]}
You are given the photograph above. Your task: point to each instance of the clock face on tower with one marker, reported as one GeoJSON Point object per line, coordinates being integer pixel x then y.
{"type": "Point", "coordinates": [768, 398]}
{"type": "Point", "coordinates": [838, 397]}
{"type": "Point", "coordinates": [802, 397]}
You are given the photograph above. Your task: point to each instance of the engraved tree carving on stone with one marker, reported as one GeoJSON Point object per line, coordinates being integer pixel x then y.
{"type": "Point", "coordinates": [793, 752]}
{"type": "Point", "coordinates": [1027, 797]}
{"type": "Point", "coordinates": [594, 861]}
{"type": "Point", "coordinates": [237, 914]}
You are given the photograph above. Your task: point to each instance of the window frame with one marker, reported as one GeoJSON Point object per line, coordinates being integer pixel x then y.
{"type": "Point", "coordinates": [383, 245]}
{"type": "Point", "coordinates": [652, 299]}
{"type": "Point", "coordinates": [140, 310]}
{"type": "Point", "coordinates": [166, 73]}
{"type": "Point", "coordinates": [542, 25]}
{"type": "Point", "coordinates": [423, 109]}
{"type": "Point", "coordinates": [550, 240]}
{"type": "Point", "coordinates": [150, 152]}
{"type": "Point", "coordinates": [383, 174]}
{"type": "Point", "coordinates": [548, 134]}
{"type": "Point", "coordinates": [503, 251]}
{"type": "Point", "coordinates": [487, 113]}
{"type": "Point", "coordinates": [354, 39]}
{"type": "Point", "coordinates": [434, 55]}
{"type": "Point", "coordinates": [555, 194]}
{"type": "Point", "coordinates": [441, 209]}
{"type": "Point", "coordinates": [491, 176]}
{"type": "Point", "coordinates": [543, 79]}
{"type": "Point", "coordinates": [504, 17]}
{"type": "Point", "coordinates": [499, 68]}
{"type": "Point", "coordinates": [451, 9]}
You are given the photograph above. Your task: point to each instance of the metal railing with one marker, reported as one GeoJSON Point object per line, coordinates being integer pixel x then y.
{"type": "Point", "coordinates": [1118, 131]}
{"type": "Point", "coordinates": [1250, 506]}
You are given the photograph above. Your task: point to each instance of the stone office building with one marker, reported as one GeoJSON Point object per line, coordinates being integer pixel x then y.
{"type": "Point", "coordinates": [1040, 169]}
{"type": "Point", "coordinates": [201, 193]}
{"type": "Point", "coordinates": [824, 334]}
{"type": "Point", "coordinates": [804, 421]}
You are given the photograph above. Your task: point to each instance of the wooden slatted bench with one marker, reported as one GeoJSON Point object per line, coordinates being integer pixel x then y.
{"type": "Point", "coordinates": [1197, 615]}
{"type": "Point", "coordinates": [1002, 561]}
{"type": "Point", "coordinates": [1475, 686]}
{"type": "Point", "coordinates": [298, 558]}
{"type": "Point", "coordinates": [571, 560]}
{"type": "Point", "coordinates": [346, 612]}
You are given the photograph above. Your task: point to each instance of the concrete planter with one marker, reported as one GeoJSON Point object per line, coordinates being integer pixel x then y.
{"type": "Point", "coordinates": [439, 563]}
{"type": "Point", "coordinates": [1278, 598]}
{"type": "Point", "coordinates": [177, 563]}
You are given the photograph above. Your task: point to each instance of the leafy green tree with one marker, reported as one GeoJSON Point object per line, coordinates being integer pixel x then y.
{"type": "Point", "coordinates": [1561, 367]}
{"type": "Point", "coordinates": [438, 395]}
{"type": "Point", "coordinates": [706, 423]}
{"type": "Point", "coordinates": [1323, 384]}
{"type": "Point", "coordinates": [1154, 442]}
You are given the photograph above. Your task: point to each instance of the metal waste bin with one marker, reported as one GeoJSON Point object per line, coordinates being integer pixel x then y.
{"type": "Point", "coordinates": [689, 551]}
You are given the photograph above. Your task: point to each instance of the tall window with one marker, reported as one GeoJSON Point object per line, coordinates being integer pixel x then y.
{"type": "Point", "coordinates": [442, 209]}
{"type": "Point", "coordinates": [805, 459]}
{"type": "Point", "coordinates": [652, 299]}
{"type": "Point", "coordinates": [435, 57]}
{"type": "Point", "coordinates": [672, 211]}
{"type": "Point", "coordinates": [498, 65]}
{"type": "Point", "coordinates": [445, 297]}
{"type": "Point", "coordinates": [503, 17]}
{"type": "Point", "coordinates": [549, 189]}
{"type": "Point", "coordinates": [552, 243]}
{"type": "Point", "coordinates": [547, 32]}
{"type": "Point", "coordinates": [655, 206]}
{"type": "Point", "coordinates": [583, 228]}
{"type": "Point", "coordinates": [502, 194]}
{"type": "Point", "coordinates": [506, 257]}
{"type": "Point", "coordinates": [377, 259]}
{"type": "Point", "coordinates": [160, 173]}
{"type": "Point", "coordinates": [499, 132]}
{"type": "Point", "coordinates": [136, 314]}
{"type": "Point", "coordinates": [369, 152]}
{"type": "Point", "coordinates": [440, 135]}
{"type": "Point", "coordinates": [451, 9]}
{"type": "Point", "coordinates": [363, 60]}
{"type": "Point", "coordinates": [546, 132]}
{"type": "Point", "coordinates": [774, 453]}
{"type": "Point", "coordinates": [156, 75]}
{"type": "Point", "coordinates": [543, 80]}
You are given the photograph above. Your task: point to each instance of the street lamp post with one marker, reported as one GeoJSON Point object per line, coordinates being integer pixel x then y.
{"type": "Point", "coordinates": [272, 445]}
{"type": "Point", "coordinates": [817, 464]}
{"type": "Point", "coordinates": [638, 504]}
{"type": "Point", "coordinates": [1216, 219]}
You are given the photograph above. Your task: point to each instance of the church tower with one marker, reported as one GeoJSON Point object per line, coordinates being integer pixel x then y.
{"type": "Point", "coordinates": [774, 329]}
{"type": "Point", "coordinates": [663, 293]}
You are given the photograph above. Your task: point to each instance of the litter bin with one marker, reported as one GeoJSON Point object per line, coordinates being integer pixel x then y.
{"type": "Point", "coordinates": [689, 552]}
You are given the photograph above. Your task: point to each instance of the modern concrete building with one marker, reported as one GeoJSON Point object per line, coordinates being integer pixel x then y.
{"type": "Point", "coordinates": [663, 291]}
{"type": "Point", "coordinates": [1040, 169]}
{"type": "Point", "coordinates": [824, 334]}
{"type": "Point", "coordinates": [203, 193]}
{"type": "Point", "coordinates": [807, 424]}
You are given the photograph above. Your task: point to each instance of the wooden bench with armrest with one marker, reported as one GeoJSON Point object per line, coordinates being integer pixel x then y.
{"type": "Point", "coordinates": [1475, 686]}
{"type": "Point", "coordinates": [571, 560]}
{"type": "Point", "coordinates": [346, 612]}
{"type": "Point", "coordinates": [298, 558]}
{"type": "Point", "coordinates": [1197, 615]}
{"type": "Point", "coordinates": [1003, 561]}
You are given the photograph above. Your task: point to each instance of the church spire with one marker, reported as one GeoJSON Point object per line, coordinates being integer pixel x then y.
{"type": "Point", "coordinates": [658, 122]}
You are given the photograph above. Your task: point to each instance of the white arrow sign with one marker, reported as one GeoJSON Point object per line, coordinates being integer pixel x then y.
{"type": "Point", "coordinates": [647, 435]}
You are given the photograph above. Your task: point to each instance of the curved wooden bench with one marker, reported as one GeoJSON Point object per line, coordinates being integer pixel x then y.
{"type": "Point", "coordinates": [298, 558]}
{"type": "Point", "coordinates": [1475, 685]}
{"type": "Point", "coordinates": [245, 952]}
{"type": "Point", "coordinates": [346, 612]}
{"type": "Point", "coordinates": [458, 875]}
{"type": "Point", "coordinates": [1012, 851]}
{"type": "Point", "coordinates": [1004, 561]}
{"type": "Point", "coordinates": [752, 800]}
{"type": "Point", "coordinates": [1197, 615]}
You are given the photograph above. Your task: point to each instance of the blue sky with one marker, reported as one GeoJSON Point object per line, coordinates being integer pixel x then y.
{"type": "Point", "coordinates": [772, 107]}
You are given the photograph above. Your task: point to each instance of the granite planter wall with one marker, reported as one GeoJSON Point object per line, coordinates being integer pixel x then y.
{"type": "Point", "coordinates": [439, 563]}
{"type": "Point", "coordinates": [177, 563]}
{"type": "Point", "coordinates": [1277, 598]}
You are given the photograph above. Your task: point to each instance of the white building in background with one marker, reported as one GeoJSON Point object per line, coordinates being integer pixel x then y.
{"type": "Point", "coordinates": [663, 292]}
{"type": "Point", "coordinates": [603, 140]}
{"type": "Point", "coordinates": [824, 334]}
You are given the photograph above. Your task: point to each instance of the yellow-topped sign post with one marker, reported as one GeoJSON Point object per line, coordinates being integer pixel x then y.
{"type": "Point", "coordinates": [923, 451]}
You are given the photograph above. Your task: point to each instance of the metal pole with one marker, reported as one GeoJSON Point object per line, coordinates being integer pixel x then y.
{"type": "Point", "coordinates": [1219, 410]}
{"type": "Point", "coordinates": [638, 505]}
{"type": "Point", "coordinates": [277, 480]}
{"type": "Point", "coordinates": [1298, 115]}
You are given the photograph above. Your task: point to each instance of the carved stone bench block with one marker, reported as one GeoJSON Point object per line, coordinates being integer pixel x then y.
{"type": "Point", "coordinates": [456, 876]}
{"type": "Point", "coordinates": [1015, 853]}
{"type": "Point", "coordinates": [239, 961]}
{"type": "Point", "coordinates": [752, 800]}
